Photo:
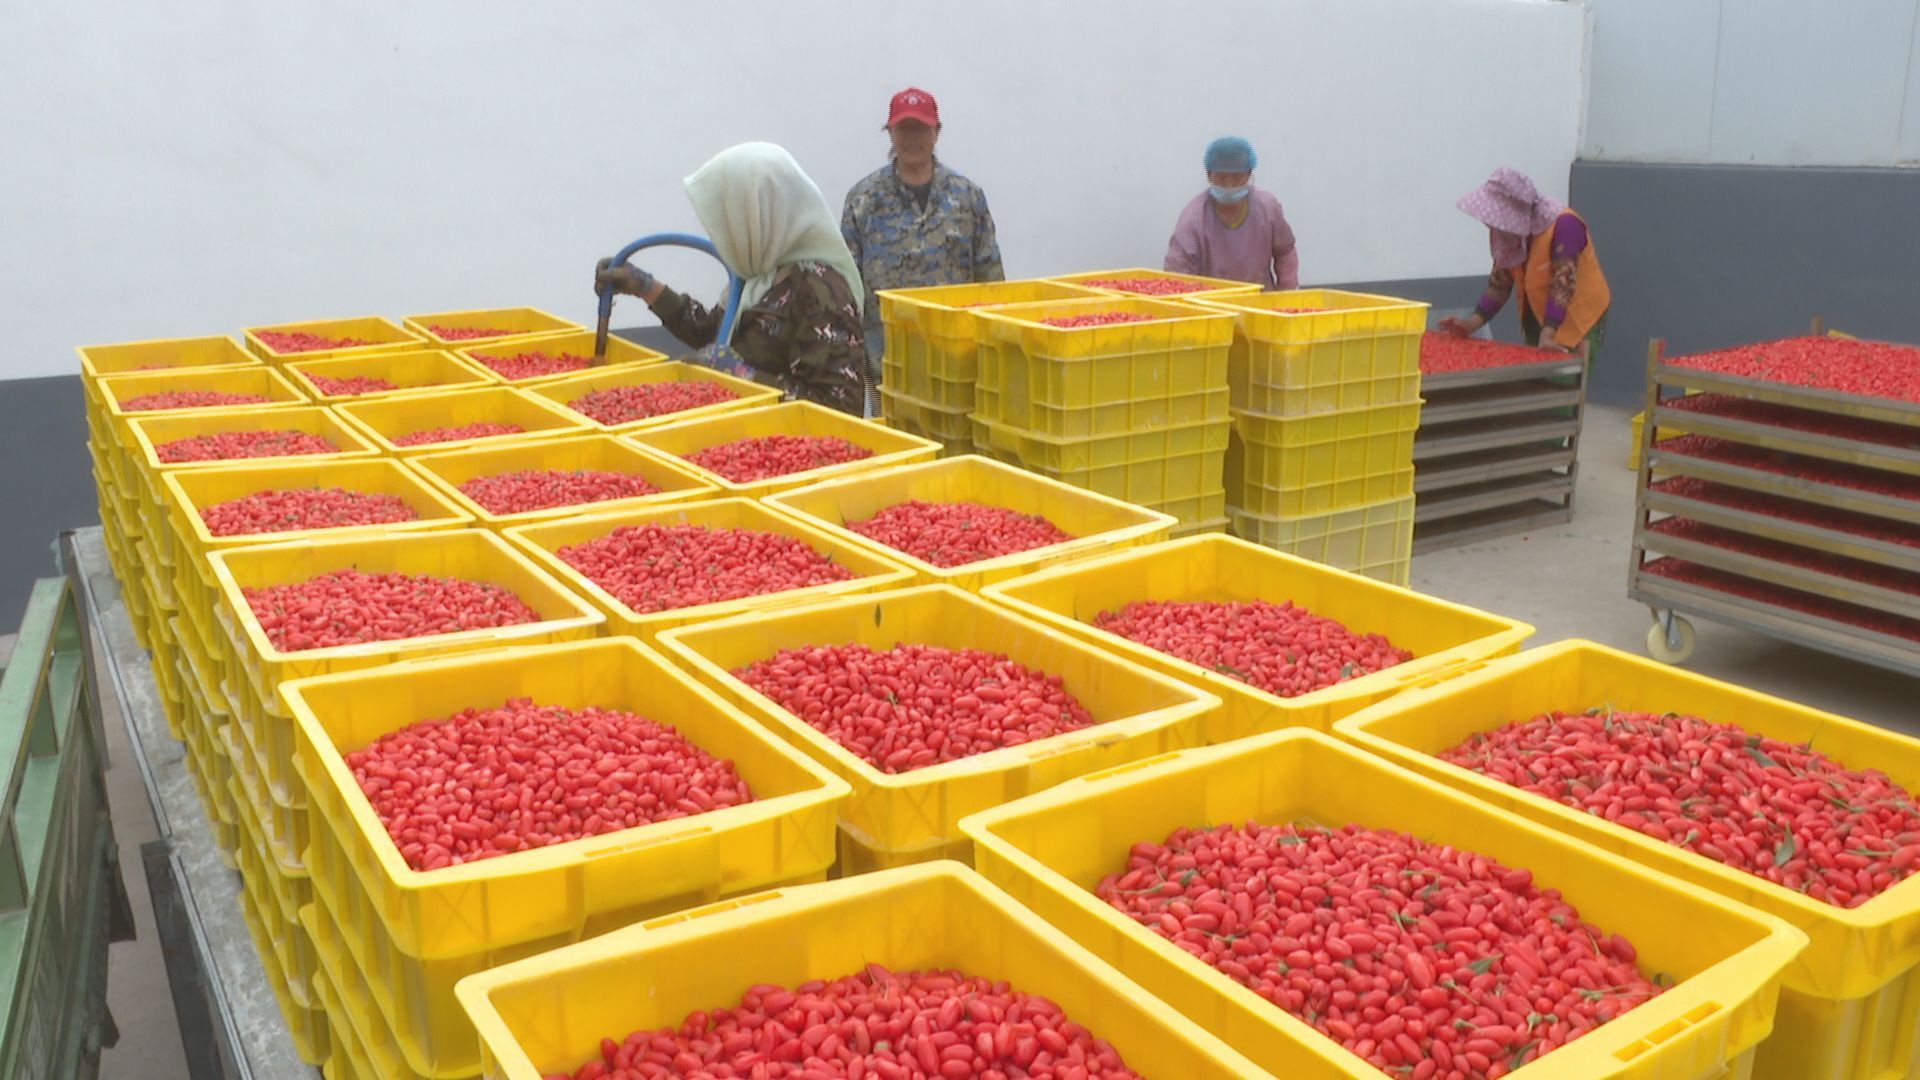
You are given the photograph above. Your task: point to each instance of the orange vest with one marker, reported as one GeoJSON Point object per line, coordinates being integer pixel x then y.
{"type": "Point", "coordinates": [1590, 293]}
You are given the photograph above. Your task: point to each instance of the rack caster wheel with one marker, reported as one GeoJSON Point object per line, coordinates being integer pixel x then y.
{"type": "Point", "coordinates": [1670, 646]}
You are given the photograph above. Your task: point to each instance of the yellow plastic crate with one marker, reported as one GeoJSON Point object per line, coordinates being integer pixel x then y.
{"type": "Point", "coordinates": [930, 352]}
{"type": "Point", "coordinates": [1389, 428]}
{"type": "Point", "coordinates": [472, 554]}
{"type": "Point", "coordinates": [417, 371]}
{"type": "Point", "coordinates": [145, 468]}
{"type": "Point", "coordinates": [201, 673]}
{"type": "Point", "coordinates": [793, 418]}
{"type": "Point", "coordinates": [1441, 635]}
{"type": "Point", "coordinates": [1076, 382]}
{"type": "Point", "coordinates": [382, 335]}
{"type": "Point", "coordinates": [419, 933]}
{"type": "Point", "coordinates": [269, 886]}
{"type": "Point", "coordinates": [872, 572]}
{"type": "Point", "coordinates": [257, 380]}
{"type": "Point", "coordinates": [600, 453]}
{"type": "Point", "coordinates": [1357, 351]}
{"type": "Point", "coordinates": [1360, 457]}
{"type": "Point", "coordinates": [311, 1035]}
{"type": "Point", "coordinates": [281, 818]}
{"type": "Point", "coordinates": [620, 352]}
{"type": "Point", "coordinates": [1633, 437]}
{"type": "Point", "coordinates": [1155, 469]}
{"type": "Point", "coordinates": [1851, 1004]}
{"type": "Point", "coordinates": [518, 324]}
{"type": "Point", "coordinates": [950, 427]}
{"type": "Point", "coordinates": [1137, 712]}
{"type": "Point", "coordinates": [1198, 527]}
{"type": "Point", "coordinates": [205, 642]}
{"type": "Point", "coordinates": [566, 389]}
{"type": "Point", "coordinates": [173, 354]}
{"type": "Point", "coordinates": [1212, 286]}
{"type": "Point", "coordinates": [190, 491]}
{"type": "Point", "coordinates": [1051, 850]}
{"type": "Point", "coordinates": [371, 1045]}
{"type": "Point", "coordinates": [1373, 539]}
{"type": "Point", "coordinates": [1055, 454]}
{"type": "Point", "coordinates": [148, 433]}
{"type": "Point", "coordinates": [1208, 508]}
{"type": "Point", "coordinates": [547, 1015]}
{"type": "Point", "coordinates": [1097, 523]}
{"type": "Point", "coordinates": [392, 418]}
{"type": "Point", "coordinates": [351, 1058]}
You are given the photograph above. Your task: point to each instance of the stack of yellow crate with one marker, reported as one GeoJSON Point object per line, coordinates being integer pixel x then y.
{"type": "Point", "coordinates": [1134, 410]}
{"type": "Point", "coordinates": [930, 365]}
{"type": "Point", "coordinates": [219, 672]}
{"type": "Point", "coordinates": [1326, 400]}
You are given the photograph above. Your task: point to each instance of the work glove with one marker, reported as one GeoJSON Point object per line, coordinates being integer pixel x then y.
{"type": "Point", "coordinates": [624, 280]}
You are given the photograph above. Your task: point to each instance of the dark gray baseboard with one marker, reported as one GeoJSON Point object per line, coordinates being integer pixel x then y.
{"type": "Point", "coordinates": [46, 484]}
{"type": "Point", "coordinates": [1712, 256]}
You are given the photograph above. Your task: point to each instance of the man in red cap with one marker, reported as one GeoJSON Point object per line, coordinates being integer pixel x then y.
{"type": "Point", "coordinates": [916, 222]}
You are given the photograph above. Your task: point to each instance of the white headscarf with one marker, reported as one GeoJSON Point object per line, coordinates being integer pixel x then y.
{"type": "Point", "coordinates": [763, 213]}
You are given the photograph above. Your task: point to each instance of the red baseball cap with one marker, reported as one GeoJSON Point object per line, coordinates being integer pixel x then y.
{"type": "Point", "coordinates": [913, 103]}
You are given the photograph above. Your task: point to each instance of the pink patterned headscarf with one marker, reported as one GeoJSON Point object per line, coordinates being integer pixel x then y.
{"type": "Point", "coordinates": [1513, 210]}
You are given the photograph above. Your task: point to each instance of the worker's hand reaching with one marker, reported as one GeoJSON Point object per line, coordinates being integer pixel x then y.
{"type": "Point", "coordinates": [1459, 327]}
{"type": "Point", "coordinates": [624, 280]}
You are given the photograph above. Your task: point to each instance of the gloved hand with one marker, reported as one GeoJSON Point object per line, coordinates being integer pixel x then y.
{"type": "Point", "coordinates": [624, 280]}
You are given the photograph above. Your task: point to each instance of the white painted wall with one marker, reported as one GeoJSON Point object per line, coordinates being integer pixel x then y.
{"type": "Point", "coordinates": [1755, 82]}
{"type": "Point", "coordinates": [202, 165]}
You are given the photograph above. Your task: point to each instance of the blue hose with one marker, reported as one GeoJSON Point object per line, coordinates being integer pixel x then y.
{"type": "Point", "coordinates": [687, 240]}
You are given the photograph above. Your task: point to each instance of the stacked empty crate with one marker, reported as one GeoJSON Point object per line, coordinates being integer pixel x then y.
{"type": "Point", "coordinates": [930, 365]}
{"type": "Point", "coordinates": [1499, 440]}
{"type": "Point", "coordinates": [1121, 395]}
{"type": "Point", "coordinates": [1325, 387]}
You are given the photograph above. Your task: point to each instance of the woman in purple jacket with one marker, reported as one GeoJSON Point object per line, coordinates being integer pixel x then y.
{"type": "Point", "coordinates": [1234, 230]}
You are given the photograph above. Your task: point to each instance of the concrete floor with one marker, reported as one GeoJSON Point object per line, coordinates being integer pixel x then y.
{"type": "Point", "coordinates": [1568, 581]}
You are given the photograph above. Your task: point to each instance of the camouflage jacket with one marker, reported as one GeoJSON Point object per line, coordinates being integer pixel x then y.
{"type": "Point", "coordinates": [900, 246]}
{"type": "Point", "coordinates": [804, 336]}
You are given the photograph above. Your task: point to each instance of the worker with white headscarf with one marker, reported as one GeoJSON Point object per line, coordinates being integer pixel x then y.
{"type": "Point", "coordinates": [800, 314]}
{"type": "Point", "coordinates": [1542, 251]}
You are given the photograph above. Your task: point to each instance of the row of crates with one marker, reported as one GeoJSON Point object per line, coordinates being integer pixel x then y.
{"type": "Point", "coordinates": [1286, 417]}
{"type": "Point", "coordinates": [502, 965]}
{"type": "Point", "coordinates": [218, 679]}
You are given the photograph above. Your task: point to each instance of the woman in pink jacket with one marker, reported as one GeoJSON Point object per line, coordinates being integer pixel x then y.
{"type": "Point", "coordinates": [1234, 230]}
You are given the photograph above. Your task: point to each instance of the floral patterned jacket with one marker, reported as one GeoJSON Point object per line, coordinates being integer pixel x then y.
{"type": "Point", "coordinates": [804, 337]}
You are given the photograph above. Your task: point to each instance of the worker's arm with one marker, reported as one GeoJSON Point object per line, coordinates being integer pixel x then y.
{"type": "Point", "coordinates": [1492, 299]}
{"type": "Point", "coordinates": [1183, 246]}
{"type": "Point", "coordinates": [693, 322]}
{"type": "Point", "coordinates": [688, 320]}
{"type": "Point", "coordinates": [1287, 269]}
{"type": "Point", "coordinates": [1569, 240]}
{"type": "Point", "coordinates": [1286, 253]}
{"type": "Point", "coordinates": [850, 231]}
{"type": "Point", "coordinates": [1182, 256]}
{"type": "Point", "coordinates": [986, 242]}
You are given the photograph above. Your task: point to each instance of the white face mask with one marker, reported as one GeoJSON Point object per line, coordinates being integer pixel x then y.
{"type": "Point", "coordinates": [1227, 196]}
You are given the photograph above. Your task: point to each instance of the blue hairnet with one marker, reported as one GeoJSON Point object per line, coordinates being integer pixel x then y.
{"type": "Point", "coordinates": [1230, 153]}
